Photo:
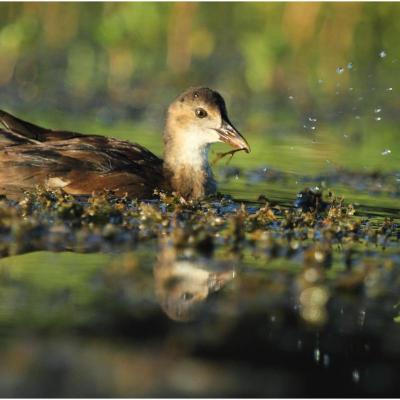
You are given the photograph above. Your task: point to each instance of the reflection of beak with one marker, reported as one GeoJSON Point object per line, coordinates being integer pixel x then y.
{"type": "Point", "coordinates": [217, 281]}
{"type": "Point", "coordinates": [230, 135]}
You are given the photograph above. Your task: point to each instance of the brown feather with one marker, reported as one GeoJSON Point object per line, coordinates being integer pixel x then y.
{"type": "Point", "coordinates": [31, 155]}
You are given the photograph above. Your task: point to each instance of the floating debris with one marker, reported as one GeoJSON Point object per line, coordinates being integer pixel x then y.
{"type": "Point", "coordinates": [382, 54]}
{"type": "Point", "coordinates": [339, 70]}
{"type": "Point", "coordinates": [386, 152]}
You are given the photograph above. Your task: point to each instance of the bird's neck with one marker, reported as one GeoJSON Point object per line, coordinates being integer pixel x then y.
{"type": "Point", "coordinates": [186, 167]}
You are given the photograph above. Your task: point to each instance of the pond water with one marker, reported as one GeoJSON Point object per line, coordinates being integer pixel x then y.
{"type": "Point", "coordinates": [221, 299]}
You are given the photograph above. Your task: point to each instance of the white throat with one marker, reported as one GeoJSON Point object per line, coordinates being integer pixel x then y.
{"type": "Point", "coordinates": [191, 148]}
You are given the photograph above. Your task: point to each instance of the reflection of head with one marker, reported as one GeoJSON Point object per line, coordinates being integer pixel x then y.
{"type": "Point", "coordinates": [183, 285]}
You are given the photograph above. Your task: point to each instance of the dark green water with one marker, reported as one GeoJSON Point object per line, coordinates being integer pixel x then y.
{"type": "Point", "coordinates": [148, 320]}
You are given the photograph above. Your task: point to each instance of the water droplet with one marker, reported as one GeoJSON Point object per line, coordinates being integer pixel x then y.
{"type": "Point", "coordinates": [299, 344]}
{"type": "Point", "coordinates": [339, 70]}
{"type": "Point", "coordinates": [326, 360]}
{"type": "Point", "coordinates": [356, 376]}
{"type": "Point", "coordinates": [377, 110]}
{"type": "Point", "coordinates": [382, 54]}
{"type": "Point", "coordinates": [291, 97]}
{"type": "Point", "coordinates": [317, 355]}
{"type": "Point", "coordinates": [350, 65]}
{"type": "Point", "coordinates": [361, 318]}
{"type": "Point", "coordinates": [386, 152]}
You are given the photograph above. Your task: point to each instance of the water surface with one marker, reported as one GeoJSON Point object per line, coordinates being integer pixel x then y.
{"type": "Point", "coordinates": [272, 311]}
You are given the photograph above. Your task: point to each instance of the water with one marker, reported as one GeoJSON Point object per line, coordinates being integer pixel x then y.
{"type": "Point", "coordinates": [262, 312]}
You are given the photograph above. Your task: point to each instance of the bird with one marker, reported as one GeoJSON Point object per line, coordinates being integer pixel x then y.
{"type": "Point", "coordinates": [81, 165]}
{"type": "Point", "coordinates": [183, 285]}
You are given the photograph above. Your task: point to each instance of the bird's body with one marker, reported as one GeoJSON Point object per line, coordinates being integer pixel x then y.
{"type": "Point", "coordinates": [82, 164]}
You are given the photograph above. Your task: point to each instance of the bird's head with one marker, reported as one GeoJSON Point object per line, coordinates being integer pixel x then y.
{"type": "Point", "coordinates": [199, 117]}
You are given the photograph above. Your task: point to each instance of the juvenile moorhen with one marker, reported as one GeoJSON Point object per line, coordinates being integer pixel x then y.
{"type": "Point", "coordinates": [83, 164]}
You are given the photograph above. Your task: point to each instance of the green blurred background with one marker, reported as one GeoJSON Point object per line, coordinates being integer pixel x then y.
{"type": "Point", "coordinates": [319, 72]}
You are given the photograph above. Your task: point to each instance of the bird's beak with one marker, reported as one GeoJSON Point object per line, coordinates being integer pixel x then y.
{"type": "Point", "coordinates": [230, 135]}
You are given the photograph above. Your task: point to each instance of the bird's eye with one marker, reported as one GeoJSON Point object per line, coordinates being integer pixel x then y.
{"type": "Point", "coordinates": [187, 296]}
{"type": "Point", "coordinates": [201, 113]}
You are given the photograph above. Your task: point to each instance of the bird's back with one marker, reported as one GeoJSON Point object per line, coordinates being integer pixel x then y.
{"type": "Point", "coordinates": [79, 164]}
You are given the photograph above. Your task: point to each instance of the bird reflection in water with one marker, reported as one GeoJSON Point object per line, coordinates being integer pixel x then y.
{"type": "Point", "coordinates": [183, 285]}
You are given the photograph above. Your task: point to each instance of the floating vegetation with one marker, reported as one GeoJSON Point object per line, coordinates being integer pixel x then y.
{"type": "Point", "coordinates": [220, 156]}
{"type": "Point", "coordinates": [53, 220]}
{"type": "Point", "coordinates": [275, 269]}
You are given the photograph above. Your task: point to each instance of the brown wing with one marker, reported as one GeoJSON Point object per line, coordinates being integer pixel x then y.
{"type": "Point", "coordinates": [31, 132]}
{"type": "Point", "coordinates": [79, 164]}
